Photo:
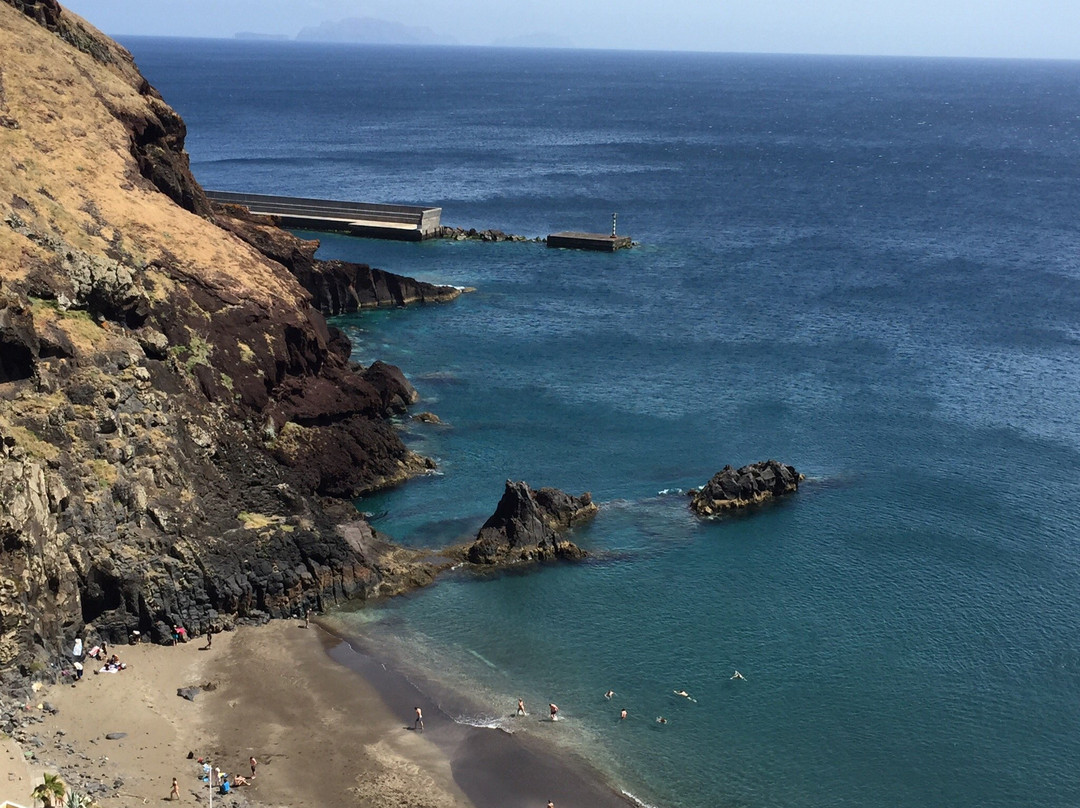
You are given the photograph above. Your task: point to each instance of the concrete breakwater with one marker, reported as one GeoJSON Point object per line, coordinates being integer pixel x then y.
{"type": "Point", "coordinates": [398, 222]}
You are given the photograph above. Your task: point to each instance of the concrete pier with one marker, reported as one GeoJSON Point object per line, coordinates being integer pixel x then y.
{"type": "Point", "coordinates": [399, 222]}
{"type": "Point", "coordinates": [588, 241]}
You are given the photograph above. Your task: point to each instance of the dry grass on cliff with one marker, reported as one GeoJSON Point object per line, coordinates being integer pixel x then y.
{"type": "Point", "coordinates": [69, 160]}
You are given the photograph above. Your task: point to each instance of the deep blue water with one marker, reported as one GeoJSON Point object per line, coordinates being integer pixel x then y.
{"type": "Point", "coordinates": [869, 268]}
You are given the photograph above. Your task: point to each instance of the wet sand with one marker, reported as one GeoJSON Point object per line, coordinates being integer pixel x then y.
{"type": "Point", "coordinates": [494, 769]}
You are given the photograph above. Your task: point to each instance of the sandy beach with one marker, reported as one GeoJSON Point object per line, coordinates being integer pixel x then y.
{"type": "Point", "coordinates": [327, 725]}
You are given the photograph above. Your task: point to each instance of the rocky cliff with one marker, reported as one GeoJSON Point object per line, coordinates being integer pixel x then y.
{"type": "Point", "coordinates": [180, 429]}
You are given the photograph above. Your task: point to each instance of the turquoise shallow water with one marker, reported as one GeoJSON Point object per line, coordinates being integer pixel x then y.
{"type": "Point", "coordinates": [866, 268]}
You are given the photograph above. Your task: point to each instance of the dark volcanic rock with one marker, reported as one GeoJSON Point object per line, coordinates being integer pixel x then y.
{"type": "Point", "coordinates": [526, 526]}
{"type": "Point", "coordinates": [737, 488]}
{"type": "Point", "coordinates": [336, 287]}
{"type": "Point", "coordinates": [472, 234]}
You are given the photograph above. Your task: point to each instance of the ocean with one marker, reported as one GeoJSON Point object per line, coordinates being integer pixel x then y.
{"type": "Point", "coordinates": [866, 267]}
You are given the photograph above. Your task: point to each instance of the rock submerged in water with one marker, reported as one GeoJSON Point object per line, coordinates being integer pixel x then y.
{"type": "Point", "coordinates": [527, 524]}
{"type": "Point", "coordinates": [730, 489]}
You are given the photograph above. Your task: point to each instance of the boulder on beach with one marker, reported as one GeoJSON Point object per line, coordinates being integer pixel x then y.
{"type": "Point", "coordinates": [527, 526]}
{"type": "Point", "coordinates": [732, 488]}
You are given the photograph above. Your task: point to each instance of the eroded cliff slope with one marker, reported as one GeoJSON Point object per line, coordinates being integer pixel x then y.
{"type": "Point", "coordinates": [180, 430]}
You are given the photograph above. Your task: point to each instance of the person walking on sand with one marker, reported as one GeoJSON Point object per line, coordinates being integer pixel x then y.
{"type": "Point", "coordinates": [419, 722]}
{"type": "Point", "coordinates": [253, 763]}
{"type": "Point", "coordinates": [554, 709]}
{"type": "Point", "coordinates": [307, 618]}
{"type": "Point", "coordinates": [521, 707]}
{"type": "Point", "coordinates": [175, 793]}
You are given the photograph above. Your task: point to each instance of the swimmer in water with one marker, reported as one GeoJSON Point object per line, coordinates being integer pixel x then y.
{"type": "Point", "coordinates": [685, 695]}
{"type": "Point", "coordinates": [609, 694]}
{"type": "Point", "coordinates": [738, 676]}
{"type": "Point", "coordinates": [622, 715]}
{"type": "Point", "coordinates": [661, 720]}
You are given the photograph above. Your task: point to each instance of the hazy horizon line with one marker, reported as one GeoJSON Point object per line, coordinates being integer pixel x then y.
{"type": "Point", "coordinates": [286, 39]}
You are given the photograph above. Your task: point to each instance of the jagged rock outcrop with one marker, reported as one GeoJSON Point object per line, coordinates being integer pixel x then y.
{"type": "Point", "coordinates": [527, 526]}
{"type": "Point", "coordinates": [336, 287]}
{"type": "Point", "coordinates": [181, 431]}
{"type": "Point", "coordinates": [733, 488]}
{"type": "Point", "coordinates": [472, 234]}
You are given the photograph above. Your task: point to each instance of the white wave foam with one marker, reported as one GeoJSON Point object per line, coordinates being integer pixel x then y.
{"type": "Point", "coordinates": [636, 800]}
{"type": "Point", "coordinates": [666, 492]}
{"type": "Point", "coordinates": [617, 504]}
{"type": "Point", "coordinates": [485, 722]}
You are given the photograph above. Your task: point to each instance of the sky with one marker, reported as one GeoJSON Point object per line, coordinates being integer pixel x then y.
{"type": "Point", "coordinates": [984, 28]}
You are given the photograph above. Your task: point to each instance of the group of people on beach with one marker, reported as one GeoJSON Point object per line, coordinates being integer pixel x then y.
{"type": "Point", "coordinates": [216, 778]}
{"type": "Point", "coordinates": [99, 653]}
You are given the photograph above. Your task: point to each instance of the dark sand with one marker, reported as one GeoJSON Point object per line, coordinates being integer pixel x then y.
{"type": "Point", "coordinates": [329, 726]}
{"type": "Point", "coordinates": [494, 769]}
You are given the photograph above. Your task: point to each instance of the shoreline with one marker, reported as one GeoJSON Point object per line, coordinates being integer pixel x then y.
{"type": "Point", "coordinates": [493, 767]}
{"type": "Point", "coordinates": [328, 724]}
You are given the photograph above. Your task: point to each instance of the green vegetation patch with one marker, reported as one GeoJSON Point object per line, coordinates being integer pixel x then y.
{"type": "Point", "coordinates": [196, 352]}
{"type": "Point", "coordinates": [34, 446]}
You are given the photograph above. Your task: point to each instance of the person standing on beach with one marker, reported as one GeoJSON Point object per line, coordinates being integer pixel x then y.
{"type": "Point", "coordinates": [554, 708]}
{"type": "Point", "coordinates": [521, 707]}
{"type": "Point", "coordinates": [419, 722]}
{"type": "Point", "coordinates": [253, 763]}
{"type": "Point", "coordinates": [175, 793]}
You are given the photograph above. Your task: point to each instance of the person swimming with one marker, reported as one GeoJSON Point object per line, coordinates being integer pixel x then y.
{"type": "Point", "coordinates": [685, 695]}
{"type": "Point", "coordinates": [738, 675]}
{"type": "Point", "coordinates": [661, 720]}
{"type": "Point", "coordinates": [609, 694]}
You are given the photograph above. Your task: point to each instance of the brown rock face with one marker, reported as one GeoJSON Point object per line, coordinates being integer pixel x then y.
{"type": "Point", "coordinates": [526, 526]}
{"type": "Point", "coordinates": [174, 410]}
{"type": "Point", "coordinates": [730, 488]}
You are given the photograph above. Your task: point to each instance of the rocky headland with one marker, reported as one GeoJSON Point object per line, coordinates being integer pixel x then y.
{"type": "Point", "coordinates": [528, 525]}
{"type": "Point", "coordinates": [336, 287]}
{"type": "Point", "coordinates": [181, 431]}
{"type": "Point", "coordinates": [731, 489]}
